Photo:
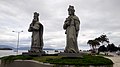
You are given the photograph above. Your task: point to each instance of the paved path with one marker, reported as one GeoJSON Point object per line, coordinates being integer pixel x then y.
{"type": "Point", "coordinates": [116, 60]}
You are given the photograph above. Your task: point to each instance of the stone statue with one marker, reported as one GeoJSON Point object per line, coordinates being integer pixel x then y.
{"type": "Point", "coordinates": [37, 34]}
{"type": "Point", "coordinates": [71, 25]}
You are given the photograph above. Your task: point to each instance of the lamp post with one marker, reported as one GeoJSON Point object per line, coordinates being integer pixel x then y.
{"type": "Point", "coordinates": [18, 38]}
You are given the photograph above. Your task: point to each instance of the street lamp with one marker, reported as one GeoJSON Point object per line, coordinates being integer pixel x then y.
{"type": "Point", "coordinates": [18, 32]}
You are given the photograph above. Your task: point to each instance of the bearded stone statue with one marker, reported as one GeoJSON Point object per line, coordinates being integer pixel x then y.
{"type": "Point", "coordinates": [71, 25]}
{"type": "Point", "coordinates": [37, 34]}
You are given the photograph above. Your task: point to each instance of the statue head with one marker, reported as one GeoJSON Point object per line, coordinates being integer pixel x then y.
{"type": "Point", "coordinates": [71, 10]}
{"type": "Point", "coordinates": [36, 17]}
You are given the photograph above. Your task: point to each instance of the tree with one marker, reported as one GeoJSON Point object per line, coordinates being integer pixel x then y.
{"type": "Point", "coordinates": [97, 41]}
{"type": "Point", "coordinates": [119, 47]}
{"type": "Point", "coordinates": [102, 48]}
{"type": "Point", "coordinates": [93, 43]}
{"type": "Point", "coordinates": [102, 39]}
{"type": "Point", "coordinates": [112, 47]}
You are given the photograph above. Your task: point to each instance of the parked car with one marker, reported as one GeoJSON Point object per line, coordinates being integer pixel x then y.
{"type": "Point", "coordinates": [118, 52]}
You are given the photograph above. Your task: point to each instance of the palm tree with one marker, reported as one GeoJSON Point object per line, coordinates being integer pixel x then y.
{"type": "Point", "coordinates": [93, 44]}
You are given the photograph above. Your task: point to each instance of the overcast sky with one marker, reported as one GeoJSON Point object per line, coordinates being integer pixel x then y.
{"type": "Point", "coordinates": [96, 17]}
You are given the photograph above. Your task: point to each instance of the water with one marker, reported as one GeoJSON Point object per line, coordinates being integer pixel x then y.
{"type": "Point", "coordinates": [53, 51]}
{"type": "Point", "coordinates": [12, 52]}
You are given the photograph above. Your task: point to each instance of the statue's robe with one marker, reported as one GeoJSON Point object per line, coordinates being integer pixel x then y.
{"type": "Point", "coordinates": [37, 37]}
{"type": "Point", "coordinates": [71, 25]}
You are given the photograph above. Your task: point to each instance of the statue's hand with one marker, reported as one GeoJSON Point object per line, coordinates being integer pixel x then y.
{"type": "Point", "coordinates": [67, 23]}
{"type": "Point", "coordinates": [30, 28]}
{"type": "Point", "coordinates": [67, 19]}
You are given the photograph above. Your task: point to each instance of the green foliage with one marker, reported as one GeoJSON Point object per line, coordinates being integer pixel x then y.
{"type": "Point", "coordinates": [9, 59]}
{"type": "Point", "coordinates": [112, 47]}
{"type": "Point", "coordinates": [102, 48]}
{"type": "Point", "coordinates": [103, 38]}
{"type": "Point", "coordinates": [96, 42]}
{"type": "Point", "coordinates": [86, 60]}
{"type": "Point", "coordinates": [93, 43]}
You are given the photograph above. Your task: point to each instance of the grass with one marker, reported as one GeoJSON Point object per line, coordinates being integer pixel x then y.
{"type": "Point", "coordinates": [11, 58]}
{"type": "Point", "coordinates": [85, 60]}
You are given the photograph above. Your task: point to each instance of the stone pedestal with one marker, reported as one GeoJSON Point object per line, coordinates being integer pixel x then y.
{"type": "Point", "coordinates": [33, 53]}
{"type": "Point", "coordinates": [71, 54]}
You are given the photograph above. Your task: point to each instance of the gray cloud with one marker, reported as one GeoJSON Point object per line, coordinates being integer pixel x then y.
{"type": "Point", "coordinates": [96, 16]}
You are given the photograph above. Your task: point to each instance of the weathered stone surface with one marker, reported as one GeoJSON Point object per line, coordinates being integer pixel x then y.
{"type": "Point", "coordinates": [71, 25]}
{"type": "Point", "coordinates": [32, 54]}
{"type": "Point", "coordinates": [37, 34]}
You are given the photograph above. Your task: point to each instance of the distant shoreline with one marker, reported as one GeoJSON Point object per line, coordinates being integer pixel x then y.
{"type": "Point", "coordinates": [6, 49]}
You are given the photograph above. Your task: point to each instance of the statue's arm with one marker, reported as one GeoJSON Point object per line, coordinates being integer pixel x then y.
{"type": "Point", "coordinates": [64, 26]}
{"type": "Point", "coordinates": [77, 25]}
{"type": "Point", "coordinates": [30, 28]}
{"type": "Point", "coordinates": [66, 23]}
{"type": "Point", "coordinates": [36, 27]}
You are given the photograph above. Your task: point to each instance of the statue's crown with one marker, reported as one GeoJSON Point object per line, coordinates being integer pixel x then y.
{"type": "Point", "coordinates": [71, 8]}
{"type": "Point", "coordinates": [35, 13]}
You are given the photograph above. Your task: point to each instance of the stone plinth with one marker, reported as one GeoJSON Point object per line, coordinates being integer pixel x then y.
{"type": "Point", "coordinates": [32, 54]}
{"type": "Point", "coordinates": [71, 54]}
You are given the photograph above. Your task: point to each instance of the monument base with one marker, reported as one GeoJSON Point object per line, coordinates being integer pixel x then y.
{"type": "Point", "coordinates": [33, 53]}
{"type": "Point", "coordinates": [71, 54]}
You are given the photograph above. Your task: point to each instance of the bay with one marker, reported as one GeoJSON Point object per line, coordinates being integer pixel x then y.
{"type": "Point", "coordinates": [12, 52]}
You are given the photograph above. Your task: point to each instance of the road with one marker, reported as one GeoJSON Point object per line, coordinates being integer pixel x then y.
{"type": "Point", "coordinates": [116, 60]}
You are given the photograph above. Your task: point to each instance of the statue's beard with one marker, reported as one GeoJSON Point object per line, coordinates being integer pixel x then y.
{"type": "Point", "coordinates": [34, 20]}
{"type": "Point", "coordinates": [71, 13]}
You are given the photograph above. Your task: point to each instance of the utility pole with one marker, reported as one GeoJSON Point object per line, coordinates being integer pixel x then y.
{"type": "Point", "coordinates": [18, 33]}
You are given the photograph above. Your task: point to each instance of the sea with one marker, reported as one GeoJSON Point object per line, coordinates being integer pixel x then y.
{"type": "Point", "coordinates": [12, 52]}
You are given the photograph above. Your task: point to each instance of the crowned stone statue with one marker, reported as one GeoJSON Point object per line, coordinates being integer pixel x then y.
{"type": "Point", "coordinates": [37, 35]}
{"type": "Point", "coordinates": [71, 25]}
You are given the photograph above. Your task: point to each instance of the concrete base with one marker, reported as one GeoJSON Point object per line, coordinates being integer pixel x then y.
{"type": "Point", "coordinates": [32, 54]}
{"type": "Point", "coordinates": [71, 54]}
